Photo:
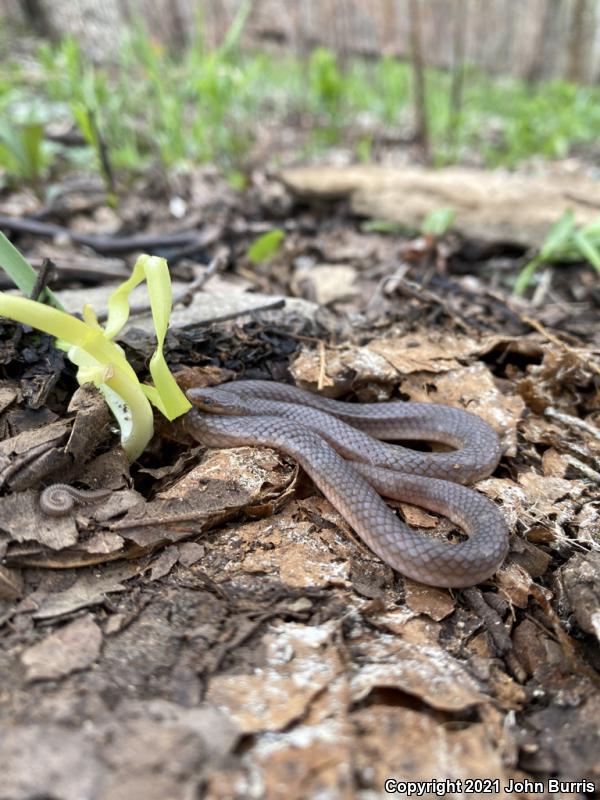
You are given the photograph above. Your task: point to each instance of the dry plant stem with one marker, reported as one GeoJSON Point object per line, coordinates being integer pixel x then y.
{"type": "Point", "coordinates": [578, 424]}
{"type": "Point", "coordinates": [585, 359]}
{"type": "Point", "coordinates": [493, 622]}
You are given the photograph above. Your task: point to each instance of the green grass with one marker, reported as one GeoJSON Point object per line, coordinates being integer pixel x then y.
{"type": "Point", "coordinates": [155, 108]}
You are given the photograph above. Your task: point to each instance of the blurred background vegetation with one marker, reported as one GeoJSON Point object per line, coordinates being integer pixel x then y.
{"type": "Point", "coordinates": [123, 86]}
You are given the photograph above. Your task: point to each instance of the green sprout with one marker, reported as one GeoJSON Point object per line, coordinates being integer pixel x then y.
{"type": "Point", "coordinates": [91, 348]}
{"type": "Point", "coordinates": [266, 246]}
{"type": "Point", "coordinates": [438, 222]}
{"type": "Point", "coordinates": [565, 242]}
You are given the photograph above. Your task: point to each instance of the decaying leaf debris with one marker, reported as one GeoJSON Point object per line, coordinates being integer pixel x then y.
{"type": "Point", "coordinates": [215, 628]}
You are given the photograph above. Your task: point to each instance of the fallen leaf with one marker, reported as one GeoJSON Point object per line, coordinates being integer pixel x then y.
{"type": "Point", "coordinates": [300, 662]}
{"type": "Point", "coordinates": [425, 671]}
{"type": "Point", "coordinates": [21, 518]}
{"type": "Point", "coordinates": [326, 283]}
{"type": "Point", "coordinates": [165, 562]}
{"type": "Point", "coordinates": [581, 581]}
{"type": "Point", "coordinates": [436, 603]}
{"type": "Point", "coordinates": [90, 588]}
{"type": "Point", "coordinates": [472, 388]}
{"type": "Point", "coordinates": [405, 745]}
{"type": "Point", "coordinates": [72, 648]}
{"type": "Point", "coordinates": [337, 372]}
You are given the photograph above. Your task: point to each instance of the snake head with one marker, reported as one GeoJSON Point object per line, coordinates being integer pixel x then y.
{"type": "Point", "coordinates": [215, 401]}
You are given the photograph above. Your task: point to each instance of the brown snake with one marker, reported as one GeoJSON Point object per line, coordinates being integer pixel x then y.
{"type": "Point", "coordinates": [311, 429]}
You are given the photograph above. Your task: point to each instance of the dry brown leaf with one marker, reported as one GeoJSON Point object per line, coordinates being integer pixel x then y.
{"type": "Point", "coordinates": [550, 495]}
{"type": "Point", "coordinates": [544, 505]}
{"type": "Point", "coordinates": [190, 553]}
{"type": "Point", "coordinates": [580, 578]}
{"type": "Point", "coordinates": [297, 550]}
{"type": "Point", "coordinates": [11, 583]}
{"type": "Point", "coordinates": [587, 522]}
{"type": "Point", "coordinates": [554, 464]}
{"type": "Point", "coordinates": [65, 759]}
{"type": "Point", "coordinates": [535, 649]}
{"type": "Point", "coordinates": [164, 563]}
{"type": "Point", "coordinates": [308, 761]}
{"type": "Point", "coordinates": [424, 352]}
{"type": "Point", "coordinates": [104, 542]}
{"type": "Point", "coordinates": [90, 588]}
{"type": "Point", "coordinates": [406, 745]}
{"type": "Point", "coordinates": [472, 388]}
{"type": "Point", "coordinates": [515, 583]}
{"type": "Point", "coordinates": [21, 518]}
{"type": "Point", "coordinates": [417, 517]}
{"type": "Point", "coordinates": [337, 372]}
{"type": "Point", "coordinates": [300, 662]}
{"type": "Point", "coordinates": [423, 670]}
{"type": "Point", "coordinates": [226, 483]}
{"type": "Point", "coordinates": [436, 603]}
{"type": "Point", "coordinates": [69, 649]}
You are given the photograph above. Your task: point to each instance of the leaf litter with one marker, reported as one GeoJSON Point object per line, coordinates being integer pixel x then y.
{"type": "Point", "coordinates": [216, 626]}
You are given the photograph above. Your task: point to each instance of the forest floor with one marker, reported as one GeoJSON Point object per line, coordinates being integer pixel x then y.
{"type": "Point", "coordinates": [214, 628]}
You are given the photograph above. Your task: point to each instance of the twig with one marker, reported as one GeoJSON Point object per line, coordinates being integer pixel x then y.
{"type": "Point", "coordinates": [491, 619]}
{"type": "Point", "coordinates": [322, 366]}
{"type": "Point", "coordinates": [420, 293]}
{"type": "Point", "coordinates": [573, 422]}
{"type": "Point", "coordinates": [551, 337]}
{"type": "Point", "coordinates": [103, 152]}
{"type": "Point", "coordinates": [107, 245]}
{"type": "Point", "coordinates": [44, 276]}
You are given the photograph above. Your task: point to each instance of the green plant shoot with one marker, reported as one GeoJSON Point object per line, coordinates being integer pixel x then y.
{"type": "Point", "coordinates": [438, 222]}
{"type": "Point", "coordinates": [100, 360]}
{"type": "Point", "coordinates": [564, 242]}
{"type": "Point", "coordinates": [266, 246]}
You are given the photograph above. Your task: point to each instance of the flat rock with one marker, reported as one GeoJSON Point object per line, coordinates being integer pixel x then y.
{"type": "Point", "coordinates": [206, 306]}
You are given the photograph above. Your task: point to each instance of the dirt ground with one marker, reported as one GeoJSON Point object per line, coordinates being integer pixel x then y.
{"type": "Point", "coordinates": [214, 628]}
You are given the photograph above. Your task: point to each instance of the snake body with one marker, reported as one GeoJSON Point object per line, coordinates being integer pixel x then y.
{"type": "Point", "coordinates": [322, 434]}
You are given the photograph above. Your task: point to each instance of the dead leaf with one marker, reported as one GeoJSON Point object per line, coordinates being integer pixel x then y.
{"type": "Point", "coordinates": [294, 550]}
{"type": "Point", "coordinates": [165, 562]}
{"type": "Point", "coordinates": [318, 756]}
{"type": "Point", "coordinates": [337, 372]}
{"type": "Point", "coordinates": [190, 553]}
{"type": "Point", "coordinates": [425, 671]}
{"type": "Point", "coordinates": [300, 662]}
{"type": "Point", "coordinates": [21, 518]}
{"type": "Point", "coordinates": [405, 745]}
{"type": "Point", "coordinates": [581, 581]}
{"type": "Point", "coordinates": [72, 648]}
{"type": "Point", "coordinates": [326, 283]}
{"type": "Point", "coordinates": [89, 589]}
{"type": "Point", "coordinates": [11, 583]}
{"type": "Point", "coordinates": [65, 759]}
{"type": "Point", "coordinates": [436, 603]}
{"type": "Point", "coordinates": [472, 388]}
